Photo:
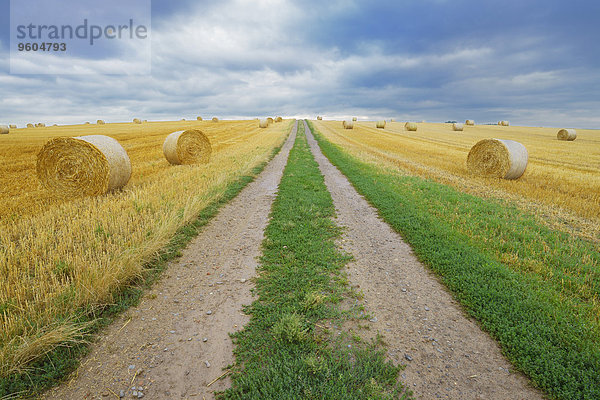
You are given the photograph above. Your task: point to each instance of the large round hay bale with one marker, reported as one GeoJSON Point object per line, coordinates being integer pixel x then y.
{"type": "Point", "coordinates": [199, 118]}
{"type": "Point", "coordinates": [503, 123]}
{"type": "Point", "coordinates": [380, 124]}
{"type": "Point", "coordinates": [354, 119]}
{"type": "Point", "coordinates": [458, 126]}
{"type": "Point", "coordinates": [278, 119]}
{"type": "Point", "coordinates": [4, 130]}
{"type": "Point", "coordinates": [469, 122]}
{"type": "Point", "coordinates": [137, 121]}
{"type": "Point", "coordinates": [30, 125]}
{"type": "Point", "coordinates": [187, 147]}
{"type": "Point", "coordinates": [567, 134]}
{"type": "Point", "coordinates": [215, 119]}
{"type": "Point", "coordinates": [263, 123]}
{"type": "Point", "coordinates": [83, 166]}
{"type": "Point", "coordinates": [100, 122]}
{"type": "Point", "coordinates": [319, 118]}
{"type": "Point", "coordinates": [348, 124]}
{"type": "Point", "coordinates": [498, 158]}
{"type": "Point", "coordinates": [87, 123]}
{"type": "Point", "coordinates": [271, 120]}
{"type": "Point", "coordinates": [12, 126]}
{"type": "Point", "coordinates": [410, 126]}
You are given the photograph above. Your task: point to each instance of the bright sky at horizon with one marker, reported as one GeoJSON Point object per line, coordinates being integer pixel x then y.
{"type": "Point", "coordinates": [532, 62]}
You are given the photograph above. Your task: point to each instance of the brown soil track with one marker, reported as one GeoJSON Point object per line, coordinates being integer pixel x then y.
{"type": "Point", "coordinates": [451, 357]}
{"type": "Point", "coordinates": [200, 296]}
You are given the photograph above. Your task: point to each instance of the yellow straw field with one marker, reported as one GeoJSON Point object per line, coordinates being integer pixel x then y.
{"type": "Point", "coordinates": [561, 184]}
{"type": "Point", "coordinates": [58, 255]}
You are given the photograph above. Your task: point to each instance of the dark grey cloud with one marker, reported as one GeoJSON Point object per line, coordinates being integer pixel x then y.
{"type": "Point", "coordinates": [532, 62]}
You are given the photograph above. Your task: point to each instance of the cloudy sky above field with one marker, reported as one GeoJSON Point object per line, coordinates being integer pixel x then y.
{"type": "Point", "coordinates": [532, 62]}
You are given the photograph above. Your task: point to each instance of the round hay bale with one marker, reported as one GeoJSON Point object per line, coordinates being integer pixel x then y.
{"type": "Point", "coordinates": [100, 122]}
{"type": "Point", "coordinates": [12, 126]}
{"type": "Point", "coordinates": [271, 120]}
{"type": "Point", "coordinates": [30, 125]}
{"type": "Point", "coordinates": [199, 118]}
{"type": "Point", "coordinates": [87, 123]}
{"type": "Point", "coordinates": [145, 120]}
{"type": "Point", "coordinates": [567, 134]}
{"type": "Point", "coordinates": [348, 124]}
{"type": "Point", "coordinates": [410, 126]}
{"type": "Point", "coordinates": [137, 121]}
{"type": "Point", "coordinates": [263, 123]}
{"type": "Point", "coordinates": [215, 119]}
{"type": "Point", "coordinates": [392, 120]}
{"type": "Point", "coordinates": [40, 125]}
{"type": "Point", "coordinates": [380, 124]}
{"type": "Point", "coordinates": [354, 119]}
{"type": "Point", "coordinates": [187, 147]}
{"type": "Point", "coordinates": [319, 118]}
{"type": "Point", "coordinates": [458, 126]}
{"type": "Point", "coordinates": [278, 119]}
{"type": "Point", "coordinates": [183, 119]}
{"type": "Point", "coordinates": [83, 166]}
{"type": "Point", "coordinates": [503, 123]}
{"type": "Point", "coordinates": [469, 122]}
{"type": "Point", "coordinates": [4, 130]}
{"type": "Point", "coordinates": [498, 158]}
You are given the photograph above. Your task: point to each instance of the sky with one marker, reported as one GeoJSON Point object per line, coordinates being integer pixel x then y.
{"type": "Point", "coordinates": [532, 62]}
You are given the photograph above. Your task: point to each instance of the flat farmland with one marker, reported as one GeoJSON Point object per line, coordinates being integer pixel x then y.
{"type": "Point", "coordinates": [59, 256]}
{"type": "Point", "coordinates": [561, 184]}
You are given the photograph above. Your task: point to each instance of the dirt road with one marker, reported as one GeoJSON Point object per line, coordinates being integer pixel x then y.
{"type": "Point", "coordinates": [447, 356]}
{"type": "Point", "coordinates": [177, 340]}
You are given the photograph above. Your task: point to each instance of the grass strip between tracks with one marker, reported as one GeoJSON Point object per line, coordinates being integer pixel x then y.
{"type": "Point", "coordinates": [286, 351]}
{"type": "Point", "coordinates": [56, 365]}
{"type": "Point", "coordinates": [546, 330]}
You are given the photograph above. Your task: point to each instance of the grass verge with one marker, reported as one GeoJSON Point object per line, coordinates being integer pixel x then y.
{"type": "Point", "coordinates": [285, 352]}
{"type": "Point", "coordinates": [58, 363]}
{"type": "Point", "coordinates": [547, 329]}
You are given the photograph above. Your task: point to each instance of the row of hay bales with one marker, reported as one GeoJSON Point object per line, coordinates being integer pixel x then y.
{"type": "Point", "coordinates": [265, 122]}
{"type": "Point", "coordinates": [96, 164]}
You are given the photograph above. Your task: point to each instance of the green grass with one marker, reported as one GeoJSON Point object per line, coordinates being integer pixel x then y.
{"type": "Point", "coordinates": [56, 365]}
{"type": "Point", "coordinates": [282, 353]}
{"type": "Point", "coordinates": [534, 289]}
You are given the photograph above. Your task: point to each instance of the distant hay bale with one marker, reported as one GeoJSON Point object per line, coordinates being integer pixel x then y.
{"type": "Point", "coordinates": [187, 147]}
{"type": "Point", "coordinates": [87, 123]}
{"type": "Point", "coordinates": [271, 120]}
{"type": "Point", "coordinates": [145, 120]}
{"type": "Point", "coordinates": [30, 125]}
{"type": "Point", "coordinates": [319, 118]}
{"type": "Point", "coordinates": [458, 126]}
{"type": "Point", "coordinates": [199, 118]}
{"type": "Point", "coordinates": [137, 121]}
{"type": "Point", "coordinates": [100, 122]}
{"type": "Point", "coordinates": [278, 119]}
{"type": "Point", "coordinates": [183, 119]}
{"type": "Point", "coordinates": [4, 130]}
{"type": "Point", "coordinates": [392, 120]}
{"type": "Point", "coordinates": [354, 119]}
{"type": "Point", "coordinates": [40, 125]}
{"type": "Point", "coordinates": [410, 126]}
{"type": "Point", "coordinates": [263, 123]}
{"type": "Point", "coordinates": [469, 122]}
{"type": "Point", "coordinates": [498, 158]}
{"type": "Point", "coordinates": [83, 166]}
{"type": "Point", "coordinates": [12, 126]}
{"type": "Point", "coordinates": [503, 123]}
{"type": "Point", "coordinates": [381, 124]}
{"type": "Point", "coordinates": [567, 134]}
{"type": "Point", "coordinates": [215, 119]}
{"type": "Point", "coordinates": [348, 124]}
